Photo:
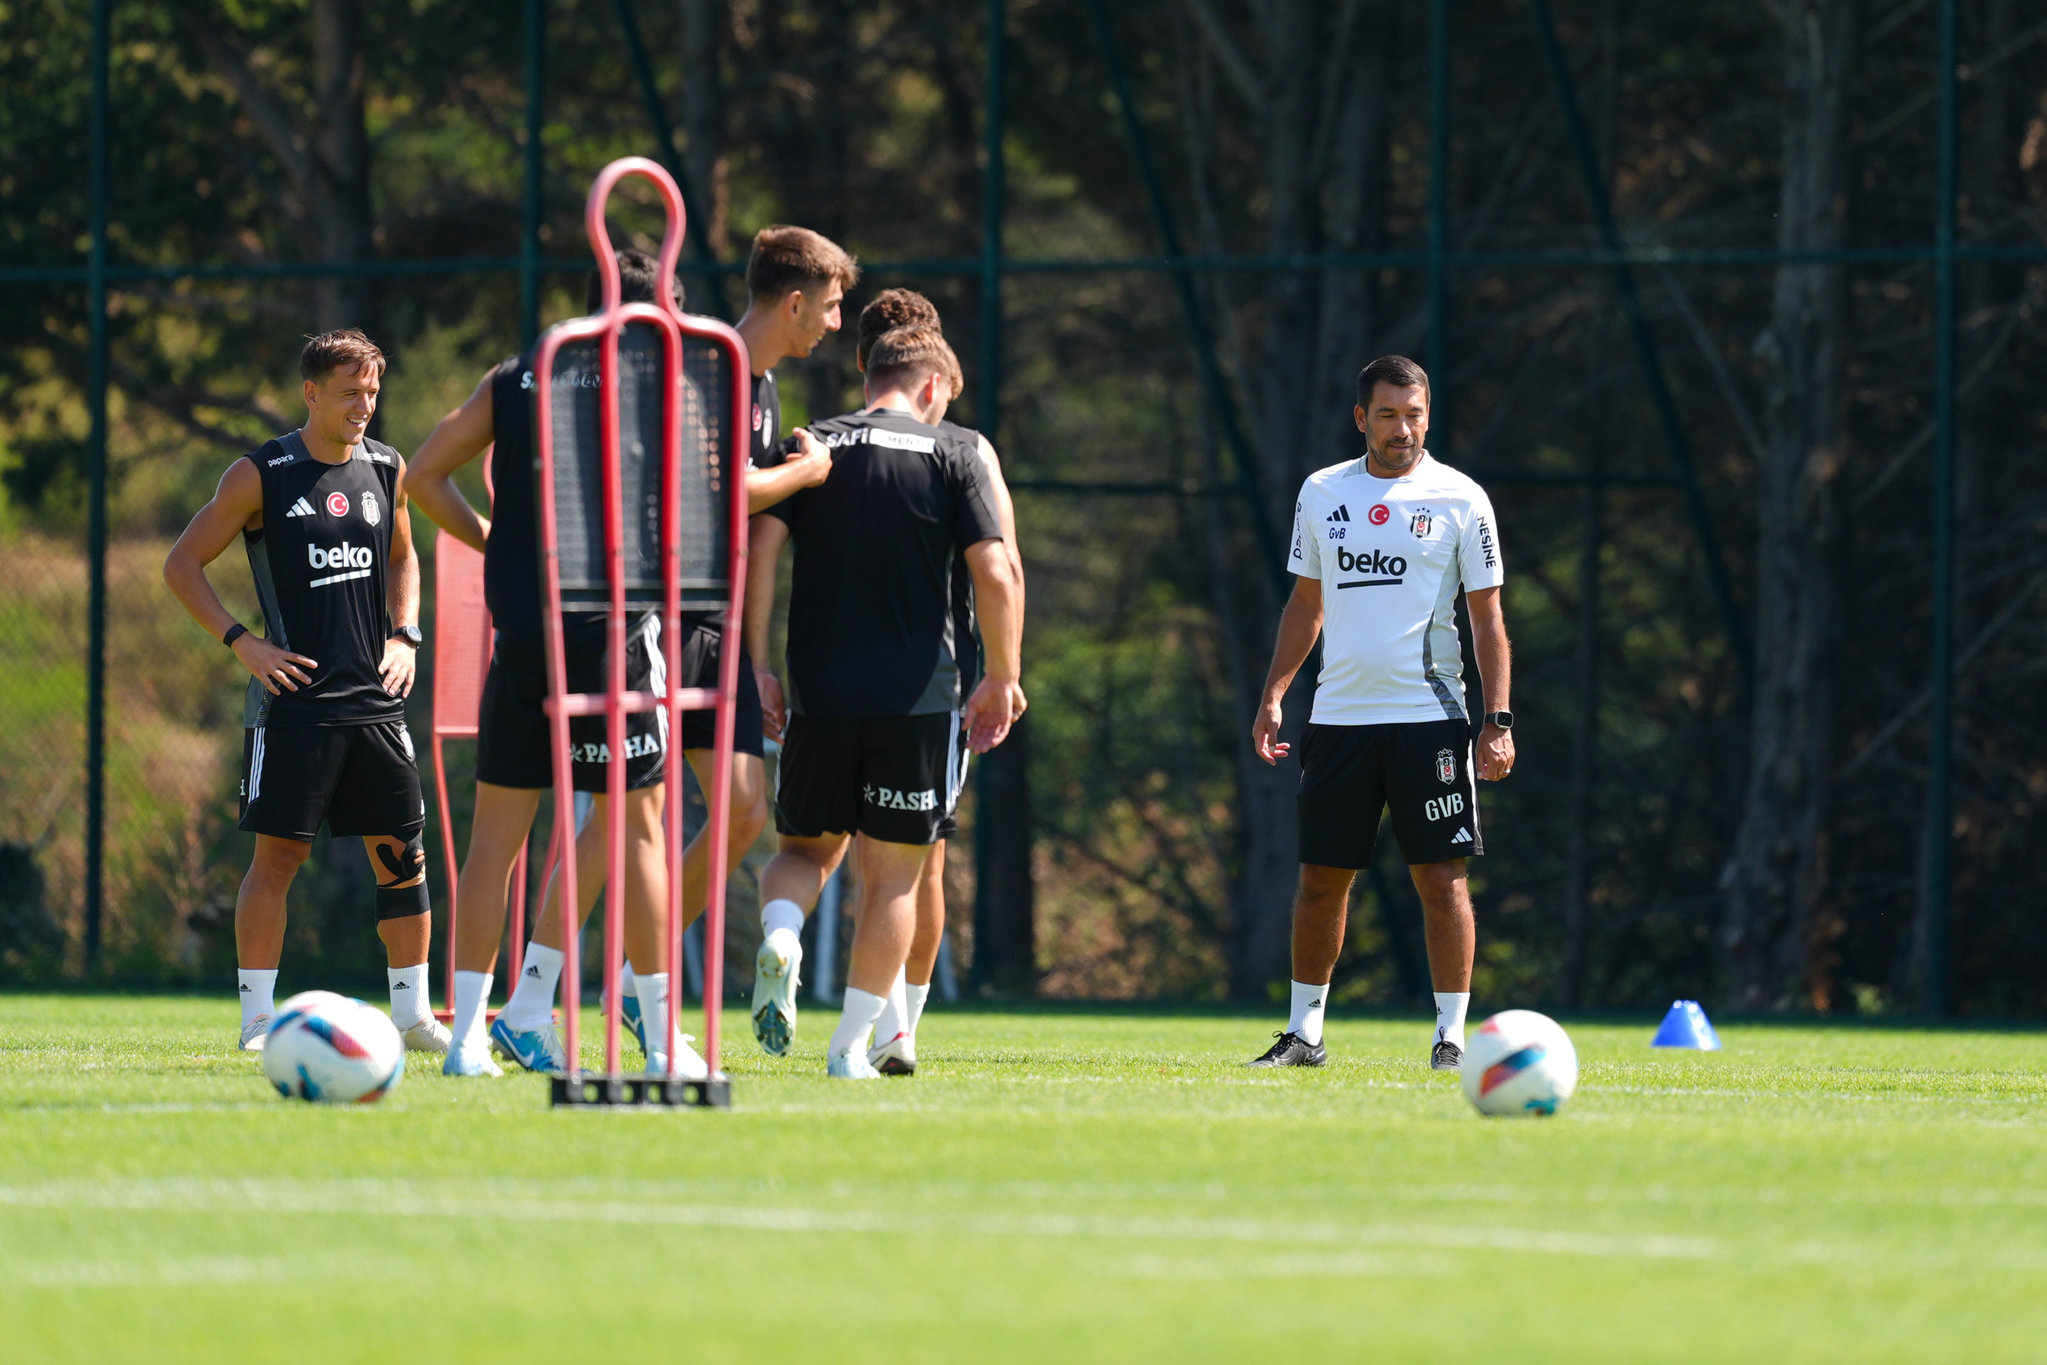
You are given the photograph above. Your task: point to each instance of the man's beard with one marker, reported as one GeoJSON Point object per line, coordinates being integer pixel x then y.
{"type": "Point", "coordinates": [1389, 458]}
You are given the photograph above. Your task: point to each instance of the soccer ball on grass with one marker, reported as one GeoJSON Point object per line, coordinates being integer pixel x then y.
{"type": "Point", "coordinates": [1519, 1062]}
{"type": "Point", "coordinates": [329, 1048]}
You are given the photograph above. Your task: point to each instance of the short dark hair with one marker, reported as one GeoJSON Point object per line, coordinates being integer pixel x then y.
{"type": "Point", "coordinates": [785, 258]}
{"type": "Point", "coordinates": [889, 309]}
{"type": "Point", "coordinates": [1396, 370]}
{"type": "Point", "coordinates": [346, 348]}
{"type": "Point", "coordinates": [637, 274]}
{"type": "Point", "coordinates": [904, 355]}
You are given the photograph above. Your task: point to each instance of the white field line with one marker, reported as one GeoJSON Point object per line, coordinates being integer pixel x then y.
{"type": "Point", "coordinates": [119, 1274]}
{"type": "Point", "coordinates": [413, 1200]}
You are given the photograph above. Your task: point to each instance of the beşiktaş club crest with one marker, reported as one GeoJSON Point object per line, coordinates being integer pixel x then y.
{"type": "Point", "coordinates": [1419, 522]}
{"type": "Point", "coordinates": [1446, 767]}
{"type": "Point", "coordinates": [370, 513]}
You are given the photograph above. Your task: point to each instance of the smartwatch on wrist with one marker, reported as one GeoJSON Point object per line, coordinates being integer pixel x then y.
{"type": "Point", "coordinates": [410, 635]}
{"type": "Point", "coordinates": [234, 633]}
{"type": "Point", "coordinates": [1501, 720]}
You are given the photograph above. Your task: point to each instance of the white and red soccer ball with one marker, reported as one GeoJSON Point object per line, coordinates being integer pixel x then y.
{"type": "Point", "coordinates": [1519, 1062]}
{"type": "Point", "coordinates": [330, 1049]}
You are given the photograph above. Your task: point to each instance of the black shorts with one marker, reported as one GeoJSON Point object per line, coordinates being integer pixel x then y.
{"type": "Point", "coordinates": [697, 666]}
{"type": "Point", "coordinates": [1422, 772]}
{"type": "Point", "coordinates": [892, 778]}
{"type": "Point", "coordinates": [513, 747]}
{"type": "Point", "coordinates": [360, 779]}
{"type": "Point", "coordinates": [514, 738]}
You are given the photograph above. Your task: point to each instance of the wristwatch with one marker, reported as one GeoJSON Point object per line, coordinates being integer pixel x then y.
{"type": "Point", "coordinates": [409, 634]}
{"type": "Point", "coordinates": [1501, 720]}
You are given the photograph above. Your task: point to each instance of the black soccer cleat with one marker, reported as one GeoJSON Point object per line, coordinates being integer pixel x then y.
{"type": "Point", "coordinates": [1447, 1056]}
{"type": "Point", "coordinates": [1293, 1050]}
{"type": "Point", "coordinates": [896, 1066]}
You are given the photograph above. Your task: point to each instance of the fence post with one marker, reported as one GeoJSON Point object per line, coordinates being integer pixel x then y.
{"type": "Point", "coordinates": [988, 416]}
{"type": "Point", "coordinates": [1940, 746]}
{"type": "Point", "coordinates": [529, 234]}
{"type": "Point", "coordinates": [96, 550]}
{"type": "Point", "coordinates": [1439, 217]}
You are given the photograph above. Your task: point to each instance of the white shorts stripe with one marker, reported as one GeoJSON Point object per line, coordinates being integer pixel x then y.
{"type": "Point", "coordinates": [256, 767]}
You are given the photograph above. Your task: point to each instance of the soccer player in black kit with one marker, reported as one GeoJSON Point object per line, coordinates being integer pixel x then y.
{"type": "Point", "coordinates": [871, 756]}
{"type": "Point", "coordinates": [322, 513]}
{"type": "Point", "coordinates": [513, 763]}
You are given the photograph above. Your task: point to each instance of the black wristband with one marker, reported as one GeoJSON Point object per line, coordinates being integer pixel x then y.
{"type": "Point", "coordinates": [234, 633]}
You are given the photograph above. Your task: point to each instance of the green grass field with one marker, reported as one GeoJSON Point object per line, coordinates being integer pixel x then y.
{"type": "Point", "coordinates": [1106, 1185]}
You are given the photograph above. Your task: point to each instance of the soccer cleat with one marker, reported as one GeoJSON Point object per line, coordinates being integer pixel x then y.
{"type": "Point", "coordinates": [254, 1032]}
{"type": "Point", "coordinates": [1293, 1050]}
{"type": "Point", "coordinates": [629, 1019]}
{"type": "Point", "coordinates": [470, 1061]}
{"type": "Point", "coordinates": [428, 1035]}
{"type": "Point", "coordinates": [896, 1057]}
{"type": "Point", "coordinates": [849, 1066]}
{"type": "Point", "coordinates": [777, 970]}
{"type": "Point", "coordinates": [1446, 1056]}
{"type": "Point", "coordinates": [537, 1049]}
{"type": "Point", "coordinates": [688, 1066]}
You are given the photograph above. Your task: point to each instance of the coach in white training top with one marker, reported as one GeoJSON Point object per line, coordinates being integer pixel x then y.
{"type": "Point", "coordinates": [1381, 547]}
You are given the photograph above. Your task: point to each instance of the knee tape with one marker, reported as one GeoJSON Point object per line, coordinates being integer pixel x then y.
{"type": "Point", "coordinates": [402, 902]}
{"type": "Point", "coordinates": [404, 865]}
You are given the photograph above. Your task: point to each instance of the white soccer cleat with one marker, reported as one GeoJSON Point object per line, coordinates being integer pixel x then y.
{"type": "Point", "coordinates": [687, 1066]}
{"type": "Point", "coordinates": [254, 1032]}
{"type": "Point", "coordinates": [896, 1057]}
{"type": "Point", "coordinates": [470, 1061]}
{"type": "Point", "coordinates": [849, 1066]}
{"type": "Point", "coordinates": [428, 1035]}
{"type": "Point", "coordinates": [777, 971]}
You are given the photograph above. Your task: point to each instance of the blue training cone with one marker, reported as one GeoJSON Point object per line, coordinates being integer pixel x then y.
{"type": "Point", "coordinates": [1686, 1026]}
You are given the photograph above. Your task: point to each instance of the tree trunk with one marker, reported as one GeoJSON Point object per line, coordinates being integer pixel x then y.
{"type": "Point", "coordinates": [1773, 875]}
{"type": "Point", "coordinates": [342, 215]}
{"type": "Point", "coordinates": [703, 112]}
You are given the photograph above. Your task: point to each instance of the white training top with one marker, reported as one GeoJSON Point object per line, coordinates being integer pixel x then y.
{"type": "Point", "coordinates": [1390, 555]}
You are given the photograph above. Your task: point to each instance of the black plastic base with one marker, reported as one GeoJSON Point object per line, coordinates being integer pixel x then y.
{"type": "Point", "coordinates": [608, 1092]}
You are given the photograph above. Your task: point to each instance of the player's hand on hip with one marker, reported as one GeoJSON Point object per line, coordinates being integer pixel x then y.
{"type": "Point", "coordinates": [991, 710]}
{"type": "Point", "coordinates": [812, 456]}
{"type": "Point", "coordinates": [774, 710]}
{"type": "Point", "coordinates": [1495, 753]}
{"type": "Point", "coordinates": [1265, 733]}
{"type": "Point", "coordinates": [279, 670]}
{"type": "Point", "coordinates": [399, 668]}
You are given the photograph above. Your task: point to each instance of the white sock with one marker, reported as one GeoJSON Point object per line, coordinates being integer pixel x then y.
{"type": "Point", "coordinates": [533, 998]}
{"type": "Point", "coordinates": [895, 1011]}
{"type": "Point", "coordinates": [410, 1001]}
{"type": "Point", "coordinates": [626, 980]}
{"type": "Point", "coordinates": [1450, 1008]}
{"type": "Point", "coordinates": [856, 1018]}
{"type": "Point", "coordinates": [915, 995]}
{"type": "Point", "coordinates": [781, 914]}
{"type": "Point", "coordinates": [652, 988]}
{"type": "Point", "coordinates": [259, 992]}
{"type": "Point", "coordinates": [472, 1002]}
{"type": "Point", "coordinates": [1305, 1022]}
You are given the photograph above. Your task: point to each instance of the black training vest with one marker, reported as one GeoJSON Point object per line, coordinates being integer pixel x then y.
{"type": "Point", "coordinates": [320, 563]}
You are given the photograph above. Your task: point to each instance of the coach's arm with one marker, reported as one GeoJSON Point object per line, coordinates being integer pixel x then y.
{"type": "Point", "coordinates": [1495, 674]}
{"type": "Point", "coordinates": [998, 699]}
{"type": "Point", "coordinates": [457, 439]}
{"type": "Point", "coordinates": [1299, 625]}
{"type": "Point", "coordinates": [237, 506]}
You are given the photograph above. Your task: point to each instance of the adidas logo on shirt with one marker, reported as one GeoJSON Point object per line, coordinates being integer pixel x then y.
{"type": "Point", "coordinates": [301, 508]}
{"type": "Point", "coordinates": [1462, 836]}
{"type": "Point", "coordinates": [1342, 513]}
